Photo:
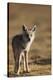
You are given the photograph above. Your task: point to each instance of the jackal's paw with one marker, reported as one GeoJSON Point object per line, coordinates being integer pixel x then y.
{"type": "Point", "coordinates": [18, 73]}
{"type": "Point", "coordinates": [28, 70]}
{"type": "Point", "coordinates": [25, 71]}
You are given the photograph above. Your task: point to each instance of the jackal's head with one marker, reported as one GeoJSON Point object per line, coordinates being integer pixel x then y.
{"type": "Point", "coordinates": [28, 34]}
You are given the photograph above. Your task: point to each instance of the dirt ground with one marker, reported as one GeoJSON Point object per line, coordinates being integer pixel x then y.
{"type": "Point", "coordinates": [40, 52]}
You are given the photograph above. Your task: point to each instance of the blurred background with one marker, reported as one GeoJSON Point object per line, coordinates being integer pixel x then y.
{"type": "Point", "coordinates": [40, 52]}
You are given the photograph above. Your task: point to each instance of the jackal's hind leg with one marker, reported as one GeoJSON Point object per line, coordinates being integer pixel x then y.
{"type": "Point", "coordinates": [16, 66]}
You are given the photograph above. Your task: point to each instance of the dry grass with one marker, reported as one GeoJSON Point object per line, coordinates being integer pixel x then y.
{"type": "Point", "coordinates": [35, 70]}
{"type": "Point", "coordinates": [40, 53]}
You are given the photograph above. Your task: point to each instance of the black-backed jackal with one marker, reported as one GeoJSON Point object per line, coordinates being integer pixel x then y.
{"type": "Point", "coordinates": [21, 45]}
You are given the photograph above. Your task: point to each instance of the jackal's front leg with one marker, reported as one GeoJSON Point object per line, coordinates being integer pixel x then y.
{"type": "Point", "coordinates": [26, 62]}
{"type": "Point", "coordinates": [27, 66]}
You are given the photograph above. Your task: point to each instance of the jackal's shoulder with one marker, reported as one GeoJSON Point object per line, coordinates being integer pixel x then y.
{"type": "Point", "coordinates": [18, 41]}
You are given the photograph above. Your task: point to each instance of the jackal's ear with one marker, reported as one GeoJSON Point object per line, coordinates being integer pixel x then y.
{"type": "Point", "coordinates": [34, 28]}
{"type": "Point", "coordinates": [24, 27]}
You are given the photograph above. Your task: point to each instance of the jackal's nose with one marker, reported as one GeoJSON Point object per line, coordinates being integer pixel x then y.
{"type": "Point", "coordinates": [29, 39]}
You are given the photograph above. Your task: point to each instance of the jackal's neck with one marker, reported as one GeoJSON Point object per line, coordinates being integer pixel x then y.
{"type": "Point", "coordinates": [29, 44]}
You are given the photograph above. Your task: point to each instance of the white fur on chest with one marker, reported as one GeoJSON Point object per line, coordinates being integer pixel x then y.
{"type": "Point", "coordinates": [29, 44]}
